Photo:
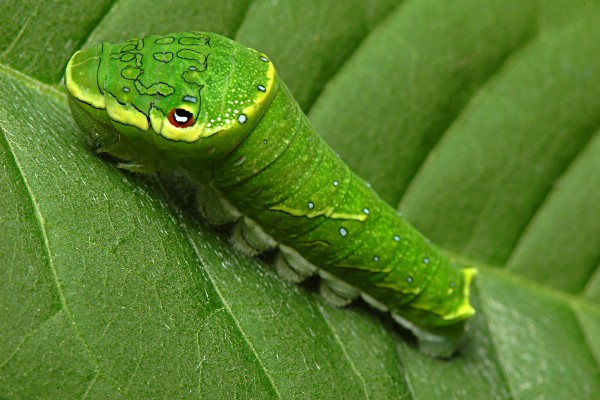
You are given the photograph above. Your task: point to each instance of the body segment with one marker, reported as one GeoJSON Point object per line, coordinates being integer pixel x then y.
{"type": "Point", "coordinates": [204, 103]}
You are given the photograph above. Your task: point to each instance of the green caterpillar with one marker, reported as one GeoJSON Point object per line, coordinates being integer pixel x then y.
{"type": "Point", "coordinates": [217, 109]}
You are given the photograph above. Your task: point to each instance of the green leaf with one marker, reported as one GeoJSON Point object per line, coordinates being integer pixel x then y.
{"type": "Point", "coordinates": [480, 120]}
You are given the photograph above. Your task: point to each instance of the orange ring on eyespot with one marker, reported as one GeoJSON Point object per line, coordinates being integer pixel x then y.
{"type": "Point", "coordinates": [181, 118]}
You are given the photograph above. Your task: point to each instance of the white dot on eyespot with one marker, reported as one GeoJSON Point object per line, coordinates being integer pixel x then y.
{"type": "Point", "coordinates": [311, 205]}
{"type": "Point", "coordinates": [242, 118]}
{"type": "Point", "coordinates": [343, 232]}
{"type": "Point", "coordinates": [366, 211]}
{"type": "Point", "coordinates": [335, 183]}
{"type": "Point", "coordinates": [426, 260]}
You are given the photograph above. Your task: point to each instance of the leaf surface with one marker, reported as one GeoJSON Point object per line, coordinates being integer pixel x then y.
{"type": "Point", "coordinates": [479, 121]}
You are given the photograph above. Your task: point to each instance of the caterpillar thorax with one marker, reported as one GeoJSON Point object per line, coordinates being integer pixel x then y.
{"type": "Point", "coordinates": [199, 94]}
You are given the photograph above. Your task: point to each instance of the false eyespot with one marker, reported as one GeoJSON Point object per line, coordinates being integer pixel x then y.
{"type": "Point", "coordinates": [180, 118]}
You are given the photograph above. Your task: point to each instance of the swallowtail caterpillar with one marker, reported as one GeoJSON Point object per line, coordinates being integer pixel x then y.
{"type": "Point", "coordinates": [217, 109]}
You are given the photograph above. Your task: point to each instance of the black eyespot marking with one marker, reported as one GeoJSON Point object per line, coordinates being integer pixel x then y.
{"type": "Point", "coordinates": [180, 118]}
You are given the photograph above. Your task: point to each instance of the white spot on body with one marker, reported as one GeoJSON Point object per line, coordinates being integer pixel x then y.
{"type": "Point", "coordinates": [375, 258]}
{"type": "Point", "coordinates": [311, 205]}
{"type": "Point", "coordinates": [335, 183]}
{"type": "Point", "coordinates": [409, 279]}
{"type": "Point", "coordinates": [343, 232]}
{"type": "Point", "coordinates": [396, 238]}
{"type": "Point", "coordinates": [366, 211]}
{"type": "Point", "coordinates": [242, 119]}
{"type": "Point", "coordinates": [426, 260]}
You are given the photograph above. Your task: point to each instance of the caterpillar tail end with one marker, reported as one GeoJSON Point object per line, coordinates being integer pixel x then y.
{"type": "Point", "coordinates": [437, 343]}
{"type": "Point", "coordinates": [442, 338]}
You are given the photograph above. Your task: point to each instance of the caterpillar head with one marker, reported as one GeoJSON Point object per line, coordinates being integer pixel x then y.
{"type": "Point", "coordinates": [188, 95]}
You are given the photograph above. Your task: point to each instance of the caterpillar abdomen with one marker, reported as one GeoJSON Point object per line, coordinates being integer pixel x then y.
{"type": "Point", "coordinates": [204, 103]}
{"type": "Point", "coordinates": [337, 222]}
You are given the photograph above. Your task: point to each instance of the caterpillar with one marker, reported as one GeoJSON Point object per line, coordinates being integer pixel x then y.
{"type": "Point", "coordinates": [217, 109]}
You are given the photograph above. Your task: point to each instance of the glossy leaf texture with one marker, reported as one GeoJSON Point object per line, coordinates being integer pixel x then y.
{"type": "Point", "coordinates": [480, 121]}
